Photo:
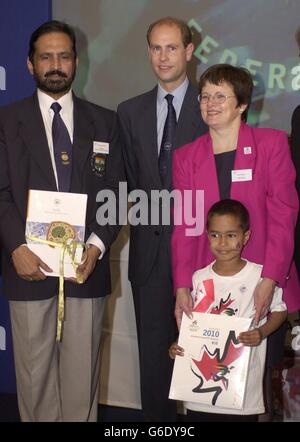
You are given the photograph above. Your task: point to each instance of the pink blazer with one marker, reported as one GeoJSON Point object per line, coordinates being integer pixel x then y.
{"type": "Point", "coordinates": [270, 198]}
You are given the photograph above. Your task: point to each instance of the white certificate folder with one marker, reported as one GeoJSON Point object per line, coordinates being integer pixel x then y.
{"type": "Point", "coordinates": [54, 216]}
{"type": "Point", "coordinates": [213, 370]}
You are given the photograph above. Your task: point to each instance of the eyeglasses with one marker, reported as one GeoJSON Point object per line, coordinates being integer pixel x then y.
{"type": "Point", "coordinates": [217, 98]}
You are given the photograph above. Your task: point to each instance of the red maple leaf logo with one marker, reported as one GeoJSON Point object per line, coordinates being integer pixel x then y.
{"type": "Point", "coordinates": [215, 367]}
{"type": "Point", "coordinates": [205, 304]}
{"type": "Point", "coordinates": [223, 307]}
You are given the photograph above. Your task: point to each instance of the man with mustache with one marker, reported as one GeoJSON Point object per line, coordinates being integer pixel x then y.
{"type": "Point", "coordinates": [56, 381]}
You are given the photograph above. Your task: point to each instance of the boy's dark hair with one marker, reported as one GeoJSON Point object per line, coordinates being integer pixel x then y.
{"type": "Point", "coordinates": [47, 28]}
{"type": "Point", "coordinates": [230, 207]}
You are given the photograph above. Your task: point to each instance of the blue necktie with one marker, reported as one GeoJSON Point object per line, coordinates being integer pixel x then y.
{"type": "Point", "coordinates": [165, 154]}
{"type": "Point", "coordinates": [62, 147]}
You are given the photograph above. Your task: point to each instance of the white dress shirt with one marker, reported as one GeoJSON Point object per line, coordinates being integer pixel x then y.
{"type": "Point", "coordinates": [162, 106]}
{"type": "Point", "coordinates": [66, 113]}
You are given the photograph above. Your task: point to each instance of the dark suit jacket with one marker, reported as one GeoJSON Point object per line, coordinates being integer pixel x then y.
{"type": "Point", "coordinates": [25, 164]}
{"type": "Point", "coordinates": [138, 123]}
{"type": "Point", "coordinates": [295, 141]}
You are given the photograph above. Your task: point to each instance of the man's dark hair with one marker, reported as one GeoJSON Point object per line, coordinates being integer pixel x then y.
{"type": "Point", "coordinates": [237, 77]}
{"type": "Point", "coordinates": [47, 28]}
{"type": "Point", "coordinates": [230, 207]}
{"type": "Point", "coordinates": [186, 33]}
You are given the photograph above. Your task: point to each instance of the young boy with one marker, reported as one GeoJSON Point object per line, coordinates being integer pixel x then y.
{"type": "Point", "coordinates": [234, 282]}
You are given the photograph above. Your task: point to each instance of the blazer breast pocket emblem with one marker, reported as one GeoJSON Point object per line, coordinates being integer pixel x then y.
{"type": "Point", "coordinates": [98, 163]}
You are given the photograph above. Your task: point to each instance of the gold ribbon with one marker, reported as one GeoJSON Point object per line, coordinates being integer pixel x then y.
{"type": "Point", "coordinates": [70, 247]}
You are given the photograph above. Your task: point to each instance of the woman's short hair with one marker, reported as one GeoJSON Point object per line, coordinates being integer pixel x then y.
{"type": "Point", "coordinates": [230, 207]}
{"type": "Point", "coordinates": [237, 77]}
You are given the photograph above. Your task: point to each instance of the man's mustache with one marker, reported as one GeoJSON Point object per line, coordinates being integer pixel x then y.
{"type": "Point", "coordinates": [56, 72]}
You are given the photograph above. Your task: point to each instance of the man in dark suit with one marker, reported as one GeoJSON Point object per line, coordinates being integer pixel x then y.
{"type": "Point", "coordinates": [56, 381]}
{"type": "Point", "coordinates": [295, 144]}
{"type": "Point", "coordinates": [142, 121]}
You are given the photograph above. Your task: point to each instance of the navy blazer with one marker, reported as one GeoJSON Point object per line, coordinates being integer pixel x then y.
{"type": "Point", "coordinates": [138, 124]}
{"type": "Point", "coordinates": [25, 164]}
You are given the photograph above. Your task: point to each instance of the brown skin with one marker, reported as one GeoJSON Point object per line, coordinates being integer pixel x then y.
{"type": "Point", "coordinates": [263, 293]}
{"type": "Point", "coordinates": [227, 239]}
{"type": "Point", "coordinates": [254, 337]}
{"type": "Point", "coordinates": [28, 265]}
{"type": "Point", "coordinates": [175, 350]}
{"type": "Point", "coordinates": [54, 64]}
{"type": "Point", "coordinates": [85, 269]}
{"type": "Point", "coordinates": [54, 67]}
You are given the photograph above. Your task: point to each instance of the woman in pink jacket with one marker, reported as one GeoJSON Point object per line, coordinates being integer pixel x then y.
{"type": "Point", "coordinates": [248, 164]}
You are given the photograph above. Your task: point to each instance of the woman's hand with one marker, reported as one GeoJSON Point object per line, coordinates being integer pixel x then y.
{"type": "Point", "coordinates": [263, 295]}
{"type": "Point", "coordinates": [184, 303]}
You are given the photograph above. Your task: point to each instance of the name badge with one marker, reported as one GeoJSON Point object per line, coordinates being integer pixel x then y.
{"type": "Point", "coordinates": [241, 175]}
{"type": "Point", "coordinates": [100, 147]}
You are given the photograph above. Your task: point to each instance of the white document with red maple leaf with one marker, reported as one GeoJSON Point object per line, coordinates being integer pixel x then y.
{"type": "Point", "coordinates": [213, 370]}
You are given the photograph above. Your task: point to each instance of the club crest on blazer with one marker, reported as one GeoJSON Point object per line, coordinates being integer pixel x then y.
{"type": "Point", "coordinates": [98, 163]}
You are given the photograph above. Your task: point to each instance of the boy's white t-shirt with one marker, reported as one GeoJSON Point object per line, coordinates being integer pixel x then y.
{"type": "Point", "coordinates": [239, 289]}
